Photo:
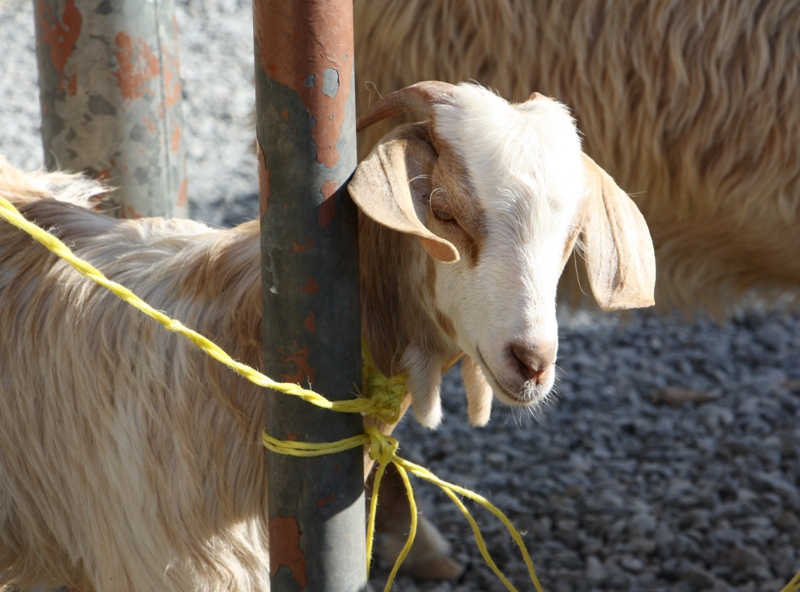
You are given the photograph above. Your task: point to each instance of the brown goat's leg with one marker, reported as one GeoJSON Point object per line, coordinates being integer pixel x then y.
{"type": "Point", "coordinates": [430, 554]}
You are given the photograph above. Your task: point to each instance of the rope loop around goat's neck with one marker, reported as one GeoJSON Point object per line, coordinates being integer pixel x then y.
{"type": "Point", "coordinates": [384, 393]}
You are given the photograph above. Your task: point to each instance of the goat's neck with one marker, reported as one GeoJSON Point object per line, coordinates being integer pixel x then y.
{"type": "Point", "coordinates": [398, 301]}
{"type": "Point", "coordinates": [397, 292]}
{"type": "Point", "coordinates": [398, 304]}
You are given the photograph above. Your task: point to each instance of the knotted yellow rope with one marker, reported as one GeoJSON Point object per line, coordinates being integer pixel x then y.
{"type": "Point", "coordinates": [384, 402]}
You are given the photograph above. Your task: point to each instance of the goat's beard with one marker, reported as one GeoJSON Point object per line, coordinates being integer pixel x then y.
{"type": "Point", "coordinates": [528, 394]}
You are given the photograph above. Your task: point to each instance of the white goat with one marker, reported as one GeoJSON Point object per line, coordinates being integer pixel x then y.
{"type": "Point", "coordinates": [690, 104]}
{"type": "Point", "coordinates": [131, 461]}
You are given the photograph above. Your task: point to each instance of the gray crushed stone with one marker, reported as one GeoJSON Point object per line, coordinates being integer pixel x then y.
{"type": "Point", "coordinates": [616, 489]}
{"type": "Point", "coordinates": [616, 485]}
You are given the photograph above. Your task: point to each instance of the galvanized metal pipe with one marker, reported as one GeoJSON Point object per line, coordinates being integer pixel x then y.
{"type": "Point", "coordinates": [306, 153]}
{"type": "Point", "coordinates": [110, 94]}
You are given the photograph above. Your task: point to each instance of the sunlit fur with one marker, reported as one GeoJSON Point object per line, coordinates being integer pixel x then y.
{"type": "Point", "coordinates": [691, 105]}
{"type": "Point", "coordinates": [130, 460]}
{"type": "Point", "coordinates": [527, 179]}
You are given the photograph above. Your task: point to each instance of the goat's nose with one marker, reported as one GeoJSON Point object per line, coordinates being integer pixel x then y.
{"type": "Point", "coordinates": [532, 361]}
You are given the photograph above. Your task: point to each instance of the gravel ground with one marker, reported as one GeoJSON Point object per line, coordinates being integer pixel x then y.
{"type": "Point", "coordinates": [617, 485]}
{"type": "Point", "coordinates": [618, 490]}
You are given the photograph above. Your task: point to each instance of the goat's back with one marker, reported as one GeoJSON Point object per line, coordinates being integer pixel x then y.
{"type": "Point", "coordinates": [130, 461]}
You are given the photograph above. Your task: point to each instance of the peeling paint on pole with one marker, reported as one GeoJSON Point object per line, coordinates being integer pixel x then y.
{"type": "Point", "coordinates": [322, 79]}
{"type": "Point", "coordinates": [289, 554]}
{"type": "Point", "coordinates": [110, 96]}
{"type": "Point", "coordinates": [307, 152]}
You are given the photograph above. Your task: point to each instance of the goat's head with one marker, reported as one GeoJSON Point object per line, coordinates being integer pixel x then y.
{"type": "Point", "coordinates": [498, 195]}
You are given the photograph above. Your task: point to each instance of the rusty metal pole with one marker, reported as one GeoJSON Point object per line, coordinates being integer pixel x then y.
{"type": "Point", "coordinates": [306, 153]}
{"type": "Point", "coordinates": [110, 94]}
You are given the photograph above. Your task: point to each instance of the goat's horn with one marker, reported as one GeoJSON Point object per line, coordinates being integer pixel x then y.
{"type": "Point", "coordinates": [417, 97]}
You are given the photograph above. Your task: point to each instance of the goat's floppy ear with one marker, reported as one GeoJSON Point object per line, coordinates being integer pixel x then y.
{"type": "Point", "coordinates": [618, 249]}
{"type": "Point", "coordinates": [392, 184]}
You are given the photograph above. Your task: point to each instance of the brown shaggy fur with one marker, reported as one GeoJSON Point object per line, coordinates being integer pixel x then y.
{"type": "Point", "coordinates": [691, 105]}
{"type": "Point", "coordinates": [131, 460]}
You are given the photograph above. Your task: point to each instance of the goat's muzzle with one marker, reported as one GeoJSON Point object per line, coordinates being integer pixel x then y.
{"type": "Point", "coordinates": [526, 375]}
{"type": "Point", "coordinates": [532, 362]}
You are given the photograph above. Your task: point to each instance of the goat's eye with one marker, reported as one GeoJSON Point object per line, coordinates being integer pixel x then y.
{"type": "Point", "coordinates": [443, 215]}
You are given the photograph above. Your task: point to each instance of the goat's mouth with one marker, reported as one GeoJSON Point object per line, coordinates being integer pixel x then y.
{"type": "Point", "coordinates": [528, 393]}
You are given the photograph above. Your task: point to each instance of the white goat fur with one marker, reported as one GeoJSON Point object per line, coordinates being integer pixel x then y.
{"type": "Point", "coordinates": [131, 461]}
{"type": "Point", "coordinates": [690, 105]}
{"type": "Point", "coordinates": [476, 299]}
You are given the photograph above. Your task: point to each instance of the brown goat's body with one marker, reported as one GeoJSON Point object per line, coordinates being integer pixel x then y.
{"type": "Point", "coordinates": [691, 106]}
{"type": "Point", "coordinates": [117, 459]}
{"type": "Point", "coordinates": [131, 460]}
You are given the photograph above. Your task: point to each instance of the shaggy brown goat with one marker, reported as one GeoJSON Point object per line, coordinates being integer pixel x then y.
{"type": "Point", "coordinates": [690, 105]}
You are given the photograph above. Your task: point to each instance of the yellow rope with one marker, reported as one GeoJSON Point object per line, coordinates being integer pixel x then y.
{"type": "Point", "coordinates": [383, 449]}
{"type": "Point", "coordinates": [386, 394]}
{"type": "Point", "coordinates": [793, 585]}
{"type": "Point", "coordinates": [381, 407]}
{"type": "Point", "coordinates": [309, 449]}
{"type": "Point", "coordinates": [384, 402]}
